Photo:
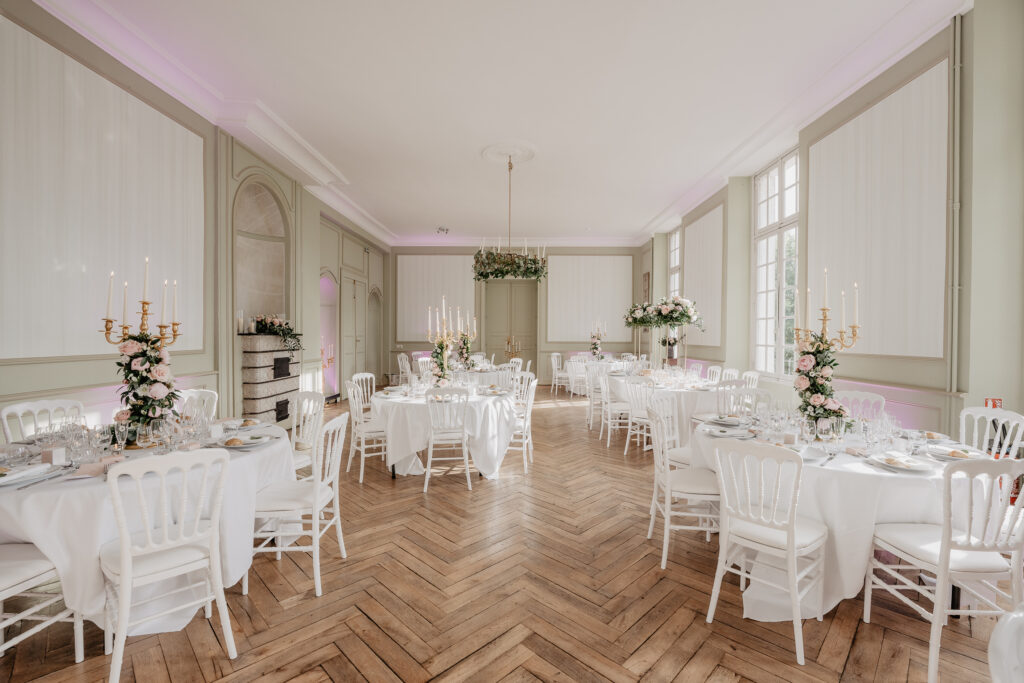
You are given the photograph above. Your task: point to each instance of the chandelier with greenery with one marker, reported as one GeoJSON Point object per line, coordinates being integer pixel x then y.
{"type": "Point", "coordinates": [498, 263]}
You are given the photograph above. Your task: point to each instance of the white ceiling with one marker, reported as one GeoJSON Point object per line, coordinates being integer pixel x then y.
{"type": "Point", "coordinates": [638, 110]}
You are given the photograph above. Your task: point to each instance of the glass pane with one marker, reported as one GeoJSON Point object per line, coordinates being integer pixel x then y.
{"type": "Point", "coordinates": [790, 339]}
{"type": "Point", "coordinates": [769, 333]}
{"type": "Point", "coordinates": [762, 279]}
{"type": "Point", "coordinates": [769, 360]}
{"type": "Point", "coordinates": [762, 252]}
{"type": "Point", "coordinates": [770, 271]}
{"type": "Point", "coordinates": [770, 304]}
{"type": "Point", "coordinates": [789, 203]}
{"type": "Point", "coordinates": [761, 310]}
{"type": "Point", "coordinates": [790, 171]}
{"type": "Point", "coordinates": [762, 215]}
{"type": "Point", "coordinates": [773, 209]}
{"type": "Point", "coordinates": [789, 356]}
{"type": "Point", "coordinates": [773, 182]}
{"type": "Point", "coordinates": [761, 188]}
{"type": "Point", "coordinates": [773, 245]}
{"type": "Point", "coordinates": [762, 332]}
{"type": "Point", "coordinates": [789, 299]}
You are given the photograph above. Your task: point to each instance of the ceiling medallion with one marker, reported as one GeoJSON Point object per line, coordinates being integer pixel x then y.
{"type": "Point", "coordinates": [500, 263]}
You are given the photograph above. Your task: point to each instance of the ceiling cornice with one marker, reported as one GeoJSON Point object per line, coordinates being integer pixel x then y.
{"type": "Point", "coordinates": [779, 133]}
{"type": "Point", "coordinates": [250, 121]}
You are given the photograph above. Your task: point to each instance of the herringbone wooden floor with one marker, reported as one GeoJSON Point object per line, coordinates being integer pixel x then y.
{"type": "Point", "coordinates": [546, 576]}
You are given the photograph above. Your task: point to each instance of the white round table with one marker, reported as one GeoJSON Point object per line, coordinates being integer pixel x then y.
{"type": "Point", "coordinates": [483, 378]}
{"type": "Point", "coordinates": [689, 401]}
{"type": "Point", "coordinates": [490, 421]}
{"type": "Point", "coordinates": [850, 497]}
{"type": "Point", "coordinates": [69, 521]}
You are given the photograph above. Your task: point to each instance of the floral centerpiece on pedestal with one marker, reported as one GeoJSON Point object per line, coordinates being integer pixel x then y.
{"type": "Point", "coordinates": [463, 348]}
{"type": "Point", "coordinates": [595, 345]}
{"type": "Point", "coordinates": [673, 311]}
{"type": "Point", "coordinates": [815, 368]}
{"type": "Point", "coordinates": [439, 364]}
{"type": "Point", "coordinates": [272, 324]}
{"type": "Point", "coordinates": [148, 393]}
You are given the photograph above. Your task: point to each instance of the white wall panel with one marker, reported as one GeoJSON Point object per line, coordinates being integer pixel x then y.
{"type": "Point", "coordinates": [877, 216]}
{"type": "Point", "coordinates": [702, 274]}
{"type": "Point", "coordinates": [91, 180]}
{"type": "Point", "coordinates": [422, 279]}
{"type": "Point", "coordinates": [584, 289]}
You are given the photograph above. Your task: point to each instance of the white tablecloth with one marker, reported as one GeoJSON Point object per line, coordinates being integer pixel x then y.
{"type": "Point", "coordinates": [70, 520]}
{"type": "Point", "coordinates": [480, 379]}
{"type": "Point", "coordinates": [490, 423]}
{"type": "Point", "coordinates": [689, 402]}
{"type": "Point", "coordinates": [849, 496]}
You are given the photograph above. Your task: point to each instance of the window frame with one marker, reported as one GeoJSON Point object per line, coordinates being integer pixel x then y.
{"type": "Point", "coordinates": [675, 248]}
{"type": "Point", "coordinates": [787, 219]}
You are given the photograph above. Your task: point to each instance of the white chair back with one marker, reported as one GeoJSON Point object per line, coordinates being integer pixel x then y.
{"type": "Point", "coordinates": [447, 408]}
{"type": "Point", "coordinates": [33, 416]}
{"type": "Point", "coordinates": [714, 374]}
{"type": "Point", "coordinates": [503, 377]}
{"type": "Point", "coordinates": [425, 365]}
{"type": "Point", "coordinates": [203, 400]}
{"type": "Point", "coordinates": [516, 363]}
{"type": "Point", "coordinates": [730, 373]}
{"type": "Point", "coordinates": [529, 394]}
{"type": "Point", "coordinates": [638, 395]}
{"type": "Point", "coordinates": [327, 459]}
{"type": "Point", "coordinates": [759, 483]}
{"type": "Point", "coordinates": [731, 399]}
{"type": "Point", "coordinates": [695, 367]}
{"type": "Point", "coordinates": [182, 507]}
{"type": "Point", "coordinates": [528, 364]}
{"type": "Point", "coordinates": [478, 356]}
{"type": "Point", "coordinates": [307, 412]}
{"type": "Point", "coordinates": [520, 388]}
{"type": "Point", "coordinates": [367, 382]}
{"type": "Point", "coordinates": [751, 378]}
{"type": "Point", "coordinates": [404, 368]}
{"type": "Point", "coordinates": [556, 363]}
{"type": "Point", "coordinates": [663, 405]}
{"type": "Point", "coordinates": [863, 405]}
{"type": "Point", "coordinates": [357, 405]}
{"type": "Point", "coordinates": [986, 515]}
{"type": "Point", "coordinates": [627, 357]}
{"type": "Point", "coordinates": [661, 442]}
{"type": "Point", "coordinates": [993, 430]}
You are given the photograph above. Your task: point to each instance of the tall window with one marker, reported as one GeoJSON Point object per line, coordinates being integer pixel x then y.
{"type": "Point", "coordinates": [674, 261]}
{"type": "Point", "coordinates": [776, 208]}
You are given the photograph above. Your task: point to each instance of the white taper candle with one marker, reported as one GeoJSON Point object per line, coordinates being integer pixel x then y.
{"type": "Point", "coordinates": [110, 293]}
{"type": "Point", "coordinates": [145, 282]}
{"type": "Point", "coordinates": [174, 311]}
{"type": "Point", "coordinates": [124, 305]}
{"type": "Point", "coordinates": [163, 305]}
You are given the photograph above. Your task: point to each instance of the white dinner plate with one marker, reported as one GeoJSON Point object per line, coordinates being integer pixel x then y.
{"type": "Point", "coordinates": [943, 453]}
{"type": "Point", "coordinates": [13, 478]}
{"type": "Point", "coordinates": [899, 463]}
{"type": "Point", "coordinates": [728, 433]}
{"type": "Point", "coordinates": [247, 441]}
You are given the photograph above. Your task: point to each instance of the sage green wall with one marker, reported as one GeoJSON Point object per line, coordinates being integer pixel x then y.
{"type": "Point", "coordinates": [713, 354]}
{"type": "Point", "coordinates": [992, 211]}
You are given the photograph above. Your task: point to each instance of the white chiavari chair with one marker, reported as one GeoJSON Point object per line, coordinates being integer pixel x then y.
{"type": "Point", "coordinates": [592, 374]}
{"type": "Point", "coordinates": [369, 438]}
{"type": "Point", "coordinates": [425, 366]}
{"type": "Point", "coordinates": [529, 362]}
{"type": "Point", "coordinates": [751, 378]}
{"type": "Point", "coordinates": [688, 492]}
{"type": "Point", "coordinates": [714, 374]}
{"type": "Point", "coordinates": [404, 369]}
{"type": "Point", "coordinates": [760, 486]}
{"type": "Point", "coordinates": [24, 573]}
{"type": "Point", "coordinates": [169, 526]}
{"type": "Point", "coordinates": [577, 372]}
{"type": "Point", "coordinates": [306, 409]}
{"type": "Point", "coordinates": [614, 414]}
{"type": "Point", "coordinates": [638, 395]}
{"type": "Point", "coordinates": [995, 431]}
{"type": "Point", "coordinates": [367, 383]}
{"type": "Point", "coordinates": [675, 434]}
{"type": "Point", "coordinates": [863, 405]}
{"type": "Point", "coordinates": [730, 398]}
{"type": "Point", "coordinates": [522, 436]}
{"type": "Point", "coordinates": [34, 416]}
{"type": "Point", "coordinates": [981, 525]}
{"type": "Point", "coordinates": [517, 364]}
{"type": "Point", "coordinates": [203, 400]}
{"type": "Point", "coordinates": [696, 367]}
{"type": "Point", "coordinates": [628, 357]}
{"type": "Point", "coordinates": [285, 505]}
{"type": "Point", "coordinates": [447, 408]}
{"type": "Point", "coordinates": [730, 373]}
{"type": "Point", "coordinates": [559, 377]}
{"type": "Point", "coordinates": [503, 376]}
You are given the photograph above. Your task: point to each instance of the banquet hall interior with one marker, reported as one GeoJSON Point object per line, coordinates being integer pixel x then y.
{"type": "Point", "coordinates": [489, 340]}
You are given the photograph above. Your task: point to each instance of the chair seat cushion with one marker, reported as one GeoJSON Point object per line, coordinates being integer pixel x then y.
{"type": "Point", "coordinates": [618, 407]}
{"type": "Point", "coordinates": [695, 480]}
{"type": "Point", "coordinates": [21, 562]}
{"type": "Point", "coordinates": [922, 542]}
{"type": "Point", "coordinates": [680, 455]}
{"type": "Point", "coordinates": [806, 532]}
{"type": "Point", "coordinates": [157, 561]}
{"type": "Point", "coordinates": [374, 426]}
{"type": "Point", "coordinates": [283, 496]}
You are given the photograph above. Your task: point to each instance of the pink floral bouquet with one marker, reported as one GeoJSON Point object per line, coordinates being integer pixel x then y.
{"type": "Point", "coordinates": [815, 368]}
{"type": "Point", "coordinates": [148, 386]}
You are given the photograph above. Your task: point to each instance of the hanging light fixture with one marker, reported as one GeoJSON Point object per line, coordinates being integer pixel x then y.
{"type": "Point", "coordinates": [506, 261]}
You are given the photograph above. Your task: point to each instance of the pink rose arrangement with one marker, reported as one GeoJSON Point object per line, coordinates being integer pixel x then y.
{"type": "Point", "coordinates": [673, 311]}
{"type": "Point", "coordinates": [815, 369]}
{"type": "Point", "coordinates": [147, 390]}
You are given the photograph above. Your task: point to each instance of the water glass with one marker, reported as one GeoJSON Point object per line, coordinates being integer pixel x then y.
{"type": "Point", "coordinates": [121, 430]}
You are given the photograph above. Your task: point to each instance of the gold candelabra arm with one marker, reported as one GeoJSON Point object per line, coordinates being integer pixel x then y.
{"type": "Point", "coordinates": [108, 327]}
{"type": "Point", "coordinates": [844, 340]}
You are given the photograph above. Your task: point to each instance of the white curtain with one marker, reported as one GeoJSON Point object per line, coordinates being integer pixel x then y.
{"type": "Point", "coordinates": [92, 180]}
{"type": "Point", "coordinates": [877, 216]}
{"type": "Point", "coordinates": [702, 274]}
{"type": "Point", "coordinates": [587, 289]}
{"type": "Point", "coordinates": [422, 280]}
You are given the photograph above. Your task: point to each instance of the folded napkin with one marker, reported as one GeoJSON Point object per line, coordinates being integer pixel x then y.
{"type": "Point", "coordinates": [859, 452]}
{"type": "Point", "coordinates": [24, 471]}
{"type": "Point", "coordinates": [97, 469]}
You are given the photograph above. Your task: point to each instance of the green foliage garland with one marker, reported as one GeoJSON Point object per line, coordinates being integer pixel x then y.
{"type": "Point", "coordinates": [269, 324]}
{"type": "Point", "coordinates": [497, 265]}
{"type": "Point", "coordinates": [463, 348]}
{"type": "Point", "coordinates": [815, 368]}
{"type": "Point", "coordinates": [148, 393]}
{"type": "Point", "coordinates": [674, 311]}
{"type": "Point", "coordinates": [439, 364]}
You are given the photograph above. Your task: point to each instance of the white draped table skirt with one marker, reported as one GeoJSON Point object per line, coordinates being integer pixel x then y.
{"type": "Point", "coordinates": [490, 423]}
{"type": "Point", "coordinates": [69, 521]}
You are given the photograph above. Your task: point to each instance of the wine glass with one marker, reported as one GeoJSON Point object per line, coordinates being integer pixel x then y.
{"type": "Point", "coordinates": [121, 430]}
{"type": "Point", "coordinates": [144, 436]}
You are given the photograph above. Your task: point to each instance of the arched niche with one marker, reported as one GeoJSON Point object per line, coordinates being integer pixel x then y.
{"type": "Point", "coordinates": [261, 232]}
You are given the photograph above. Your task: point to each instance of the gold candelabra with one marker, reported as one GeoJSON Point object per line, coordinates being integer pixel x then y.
{"type": "Point", "coordinates": [840, 342]}
{"type": "Point", "coordinates": [325, 360]}
{"type": "Point", "coordinates": [446, 334]}
{"type": "Point", "coordinates": [163, 339]}
{"type": "Point", "coordinates": [512, 348]}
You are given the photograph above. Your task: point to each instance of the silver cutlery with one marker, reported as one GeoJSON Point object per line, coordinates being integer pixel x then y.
{"type": "Point", "coordinates": [50, 477]}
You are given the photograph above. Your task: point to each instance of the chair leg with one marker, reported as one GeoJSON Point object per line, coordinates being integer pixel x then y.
{"type": "Point", "coordinates": [942, 588]}
{"type": "Point", "coordinates": [654, 502]}
{"type": "Point", "coordinates": [629, 427]}
{"type": "Point", "coordinates": [723, 547]}
{"type": "Point", "coordinates": [222, 605]}
{"type": "Point", "coordinates": [465, 460]}
{"type": "Point", "coordinates": [108, 624]}
{"type": "Point", "coordinates": [362, 457]}
{"type": "Point", "coordinates": [245, 582]}
{"type": "Point", "coordinates": [79, 640]}
{"type": "Point", "coordinates": [794, 602]}
{"type": "Point", "coordinates": [337, 526]}
{"type": "Point", "coordinates": [430, 459]}
{"type": "Point", "coordinates": [314, 538]}
{"type": "Point", "coordinates": [124, 605]}
{"type": "Point", "coordinates": [351, 450]}
{"type": "Point", "coordinates": [667, 514]}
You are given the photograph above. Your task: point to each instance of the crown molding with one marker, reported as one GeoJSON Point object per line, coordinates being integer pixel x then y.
{"type": "Point", "coordinates": [250, 121]}
{"type": "Point", "coordinates": [625, 242]}
{"type": "Point", "coordinates": [852, 72]}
